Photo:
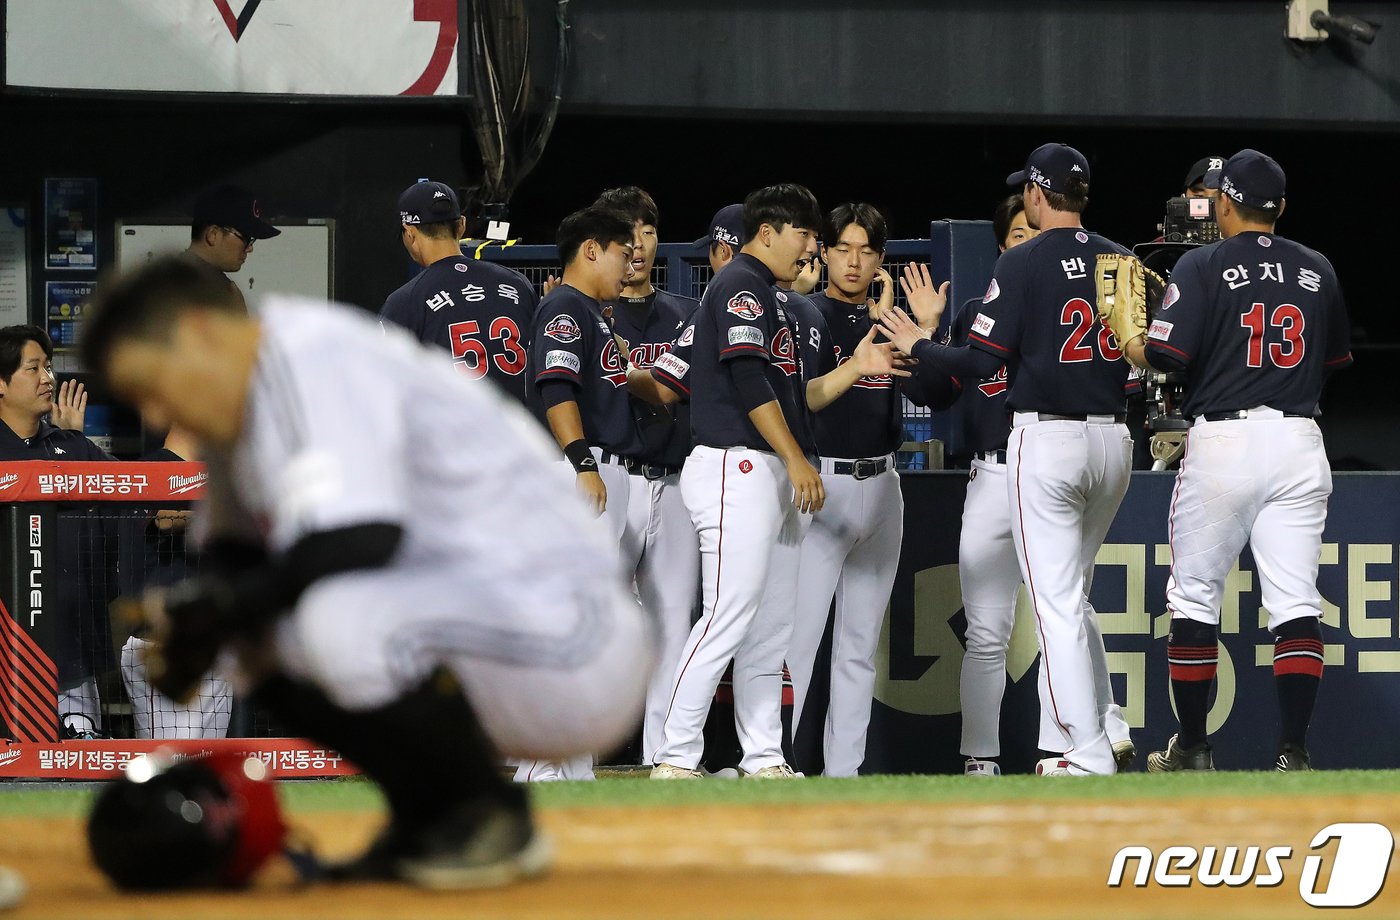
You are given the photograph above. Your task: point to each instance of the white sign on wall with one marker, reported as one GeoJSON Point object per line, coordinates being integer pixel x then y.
{"type": "Point", "coordinates": [317, 47]}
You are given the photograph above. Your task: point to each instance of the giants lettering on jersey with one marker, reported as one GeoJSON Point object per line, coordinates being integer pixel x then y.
{"type": "Point", "coordinates": [880, 382]}
{"type": "Point", "coordinates": [611, 362]}
{"type": "Point", "coordinates": [648, 353]}
{"type": "Point", "coordinates": [745, 306]}
{"type": "Point", "coordinates": [562, 329]}
{"type": "Point", "coordinates": [784, 352]}
{"type": "Point", "coordinates": [994, 385]}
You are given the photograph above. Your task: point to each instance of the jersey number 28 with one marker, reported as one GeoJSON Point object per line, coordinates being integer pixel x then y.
{"type": "Point", "coordinates": [469, 352]}
{"type": "Point", "coordinates": [1083, 317]}
{"type": "Point", "coordinates": [1285, 317]}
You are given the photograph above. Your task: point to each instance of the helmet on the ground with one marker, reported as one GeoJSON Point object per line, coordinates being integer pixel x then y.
{"type": "Point", "coordinates": [190, 823]}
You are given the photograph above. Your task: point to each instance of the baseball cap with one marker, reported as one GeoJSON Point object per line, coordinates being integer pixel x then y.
{"type": "Point", "coordinates": [233, 206]}
{"type": "Point", "coordinates": [1051, 166]}
{"type": "Point", "coordinates": [1253, 179]}
{"type": "Point", "coordinates": [428, 202]}
{"type": "Point", "coordinates": [727, 226]}
{"type": "Point", "coordinates": [1206, 170]}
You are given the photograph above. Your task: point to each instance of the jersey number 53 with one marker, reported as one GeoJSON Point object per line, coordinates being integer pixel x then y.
{"type": "Point", "coordinates": [469, 352]}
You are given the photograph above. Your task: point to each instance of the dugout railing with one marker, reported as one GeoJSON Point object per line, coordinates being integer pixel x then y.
{"type": "Point", "coordinates": [73, 538]}
{"type": "Point", "coordinates": [684, 269]}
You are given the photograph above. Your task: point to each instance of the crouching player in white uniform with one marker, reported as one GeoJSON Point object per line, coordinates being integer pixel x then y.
{"type": "Point", "coordinates": [1257, 322]}
{"type": "Point", "coordinates": [403, 572]}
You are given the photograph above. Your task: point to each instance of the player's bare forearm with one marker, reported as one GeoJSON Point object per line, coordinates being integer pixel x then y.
{"type": "Point", "coordinates": [1135, 350]}
{"type": "Point", "coordinates": [768, 419]}
{"type": "Point", "coordinates": [645, 387]}
{"type": "Point", "coordinates": [565, 423]}
{"type": "Point", "coordinates": [826, 389]}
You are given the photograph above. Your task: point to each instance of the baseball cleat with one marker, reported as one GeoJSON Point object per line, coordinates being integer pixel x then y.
{"type": "Point", "coordinates": [986, 768]}
{"type": "Point", "coordinates": [780, 771]}
{"type": "Point", "coordinates": [1176, 759]}
{"type": "Point", "coordinates": [1124, 752]}
{"type": "Point", "coordinates": [1293, 759]}
{"type": "Point", "coordinates": [671, 771]}
{"type": "Point", "coordinates": [498, 850]}
{"type": "Point", "coordinates": [1052, 766]}
{"type": "Point", "coordinates": [723, 773]}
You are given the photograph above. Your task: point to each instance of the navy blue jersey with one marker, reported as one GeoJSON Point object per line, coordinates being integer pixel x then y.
{"type": "Point", "coordinates": [479, 311]}
{"type": "Point", "coordinates": [986, 423]}
{"type": "Point", "coordinates": [868, 419]}
{"type": "Point", "coordinates": [1256, 320]}
{"type": "Point", "coordinates": [49, 443]}
{"type": "Point", "coordinates": [1039, 316]}
{"type": "Point", "coordinates": [740, 316]}
{"type": "Point", "coordinates": [650, 326]}
{"type": "Point", "coordinates": [572, 343]}
{"type": "Point", "coordinates": [817, 355]}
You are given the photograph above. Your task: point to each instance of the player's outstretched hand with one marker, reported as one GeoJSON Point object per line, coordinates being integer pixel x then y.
{"type": "Point", "coordinates": [594, 492]}
{"type": "Point", "coordinates": [69, 406]}
{"type": "Point", "coordinates": [902, 331]}
{"type": "Point", "coordinates": [878, 307]}
{"type": "Point", "coordinates": [878, 360]}
{"type": "Point", "coordinates": [808, 494]}
{"type": "Point", "coordinates": [926, 301]}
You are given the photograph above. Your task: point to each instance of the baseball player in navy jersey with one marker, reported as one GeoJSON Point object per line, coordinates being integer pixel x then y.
{"type": "Point", "coordinates": [659, 543]}
{"type": "Point", "coordinates": [404, 573]}
{"type": "Point", "coordinates": [479, 311]}
{"type": "Point", "coordinates": [582, 382]}
{"type": "Point", "coordinates": [1257, 322]}
{"type": "Point", "coordinates": [1069, 454]}
{"type": "Point", "coordinates": [851, 552]}
{"type": "Point", "coordinates": [749, 482]}
{"type": "Point", "coordinates": [722, 243]}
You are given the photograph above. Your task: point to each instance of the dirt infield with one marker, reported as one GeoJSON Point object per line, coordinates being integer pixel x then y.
{"type": "Point", "coordinates": [1041, 860]}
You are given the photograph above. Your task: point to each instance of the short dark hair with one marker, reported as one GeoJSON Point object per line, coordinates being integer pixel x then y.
{"type": "Point", "coordinates": [602, 225]}
{"type": "Point", "coordinates": [197, 231]}
{"type": "Point", "coordinates": [1267, 217]}
{"type": "Point", "coordinates": [1075, 197]}
{"type": "Point", "coordinates": [1006, 212]}
{"type": "Point", "coordinates": [865, 216]}
{"type": "Point", "coordinates": [440, 229]}
{"type": "Point", "coordinates": [142, 304]}
{"type": "Point", "coordinates": [632, 201]}
{"type": "Point", "coordinates": [780, 205]}
{"type": "Point", "coordinates": [12, 342]}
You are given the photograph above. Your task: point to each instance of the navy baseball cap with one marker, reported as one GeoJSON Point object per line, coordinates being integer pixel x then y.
{"type": "Point", "coordinates": [727, 226]}
{"type": "Point", "coordinates": [1051, 166]}
{"type": "Point", "coordinates": [427, 202]}
{"type": "Point", "coordinates": [1253, 179]}
{"type": "Point", "coordinates": [233, 206]}
{"type": "Point", "coordinates": [1206, 171]}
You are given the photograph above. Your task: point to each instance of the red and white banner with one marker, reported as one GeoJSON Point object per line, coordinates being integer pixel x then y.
{"type": "Point", "coordinates": [310, 47]}
{"type": "Point", "coordinates": [45, 481]}
{"type": "Point", "coordinates": [286, 758]}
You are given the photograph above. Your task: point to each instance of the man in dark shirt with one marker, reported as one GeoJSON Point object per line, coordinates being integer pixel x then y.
{"type": "Point", "coordinates": [479, 311]}
{"type": "Point", "coordinates": [1069, 454]}
{"type": "Point", "coordinates": [227, 222]}
{"type": "Point", "coordinates": [1257, 322]}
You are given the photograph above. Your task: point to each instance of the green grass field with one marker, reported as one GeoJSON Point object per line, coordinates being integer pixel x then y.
{"type": "Point", "coordinates": [632, 790]}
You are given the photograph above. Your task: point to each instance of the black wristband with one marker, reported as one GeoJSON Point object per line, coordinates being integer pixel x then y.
{"type": "Point", "coordinates": [581, 457]}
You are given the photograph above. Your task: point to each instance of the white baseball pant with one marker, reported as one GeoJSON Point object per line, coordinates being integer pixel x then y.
{"type": "Point", "coordinates": [1065, 481]}
{"type": "Point", "coordinates": [661, 547]}
{"type": "Point", "coordinates": [740, 501]}
{"type": "Point", "coordinates": [1262, 479]}
{"type": "Point", "coordinates": [851, 554]}
{"type": "Point", "coordinates": [158, 716]}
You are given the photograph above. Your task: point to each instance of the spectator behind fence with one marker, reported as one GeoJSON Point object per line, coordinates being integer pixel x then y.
{"type": "Point", "coordinates": [39, 427]}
